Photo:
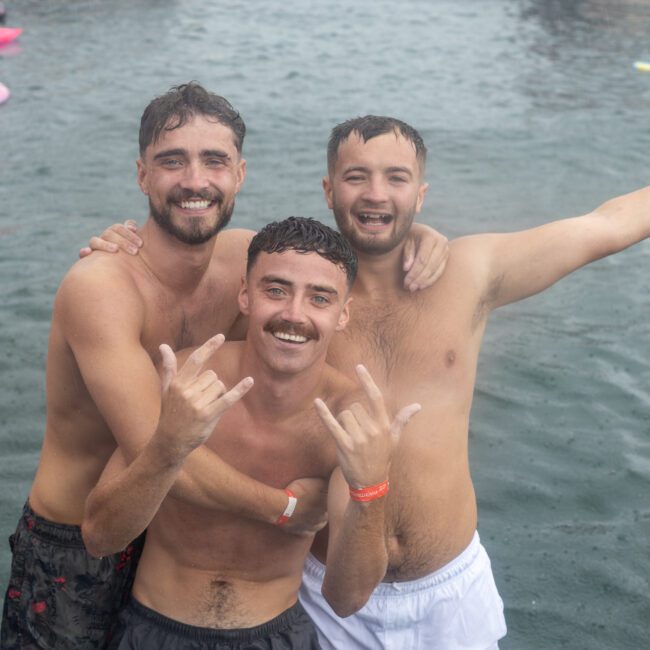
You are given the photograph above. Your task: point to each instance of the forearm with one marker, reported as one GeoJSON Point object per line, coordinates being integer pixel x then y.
{"type": "Point", "coordinates": [357, 557]}
{"type": "Point", "coordinates": [627, 217]}
{"type": "Point", "coordinates": [207, 481]}
{"type": "Point", "coordinates": [119, 509]}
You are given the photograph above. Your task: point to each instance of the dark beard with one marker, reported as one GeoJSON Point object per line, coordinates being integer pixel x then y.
{"type": "Point", "coordinates": [195, 234]}
{"type": "Point", "coordinates": [369, 244]}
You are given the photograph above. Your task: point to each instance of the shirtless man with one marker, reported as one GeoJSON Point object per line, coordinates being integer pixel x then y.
{"type": "Point", "coordinates": [225, 581]}
{"type": "Point", "coordinates": [438, 592]}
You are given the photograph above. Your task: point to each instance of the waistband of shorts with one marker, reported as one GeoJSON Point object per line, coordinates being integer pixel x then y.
{"type": "Point", "coordinates": [51, 531]}
{"type": "Point", "coordinates": [208, 634]}
{"type": "Point", "coordinates": [460, 563]}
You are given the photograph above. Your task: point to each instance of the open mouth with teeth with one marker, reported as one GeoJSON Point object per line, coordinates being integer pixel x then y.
{"type": "Point", "coordinates": [195, 204]}
{"type": "Point", "coordinates": [372, 220]}
{"type": "Point", "coordinates": [293, 334]}
{"type": "Point", "coordinates": [290, 338]}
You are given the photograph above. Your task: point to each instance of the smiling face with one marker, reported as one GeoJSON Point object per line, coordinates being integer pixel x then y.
{"type": "Point", "coordinates": [375, 189]}
{"type": "Point", "coordinates": [191, 175]}
{"type": "Point", "coordinates": [295, 302]}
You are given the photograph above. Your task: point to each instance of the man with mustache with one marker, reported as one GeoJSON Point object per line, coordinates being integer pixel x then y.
{"type": "Point", "coordinates": [210, 582]}
{"type": "Point", "coordinates": [438, 592]}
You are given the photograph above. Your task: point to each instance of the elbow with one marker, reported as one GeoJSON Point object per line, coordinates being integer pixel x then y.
{"type": "Point", "coordinates": [95, 543]}
{"type": "Point", "coordinates": [346, 604]}
{"type": "Point", "coordinates": [91, 540]}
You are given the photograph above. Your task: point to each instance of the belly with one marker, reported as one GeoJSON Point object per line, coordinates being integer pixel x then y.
{"type": "Point", "coordinates": [431, 507]}
{"type": "Point", "coordinates": [214, 570]}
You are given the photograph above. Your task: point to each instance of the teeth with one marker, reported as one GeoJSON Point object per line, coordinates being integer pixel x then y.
{"type": "Point", "coordinates": [194, 205]}
{"type": "Point", "coordinates": [374, 218]}
{"type": "Point", "coordinates": [294, 338]}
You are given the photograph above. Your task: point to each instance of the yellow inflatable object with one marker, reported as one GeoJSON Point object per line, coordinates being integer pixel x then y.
{"type": "Point", "coordinates": [642, 66]}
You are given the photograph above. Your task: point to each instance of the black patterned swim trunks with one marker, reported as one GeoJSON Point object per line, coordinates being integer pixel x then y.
{"type": "Point", "coordinates": [59, 597]}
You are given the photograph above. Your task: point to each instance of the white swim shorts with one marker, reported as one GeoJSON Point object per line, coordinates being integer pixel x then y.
{"type": "Point", "coordinates": [457, 607]}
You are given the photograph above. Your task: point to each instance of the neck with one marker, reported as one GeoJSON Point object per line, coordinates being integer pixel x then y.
{"type": "Point", "coordinates": [176, 265]}
{"type": "Point", "coordinates": [276, 394]}
{"type": "Point", "coordinates": [380, 275]}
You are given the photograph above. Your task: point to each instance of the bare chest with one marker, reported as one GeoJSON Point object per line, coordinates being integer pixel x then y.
{"type": "Point", "coordinates": [275, 453]}
{"type": "Point", "coordinates": [188, 321]}
{"type": "Point", "coordinates": [413, 348]}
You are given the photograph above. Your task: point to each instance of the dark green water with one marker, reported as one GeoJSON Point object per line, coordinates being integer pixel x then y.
{"type": "Point", "coordinates": [532, 110]}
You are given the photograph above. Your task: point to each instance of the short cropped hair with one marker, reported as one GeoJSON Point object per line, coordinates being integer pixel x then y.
{"type": "Point", "coordinates": [304, 235]}
{"type": "Point", "coordinates": [371, 126]}
{"type": "Point", "coordinates": [181, 103]}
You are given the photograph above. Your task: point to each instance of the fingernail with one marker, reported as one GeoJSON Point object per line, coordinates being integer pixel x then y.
{"type": "Point", "coordinates": [133, 250]}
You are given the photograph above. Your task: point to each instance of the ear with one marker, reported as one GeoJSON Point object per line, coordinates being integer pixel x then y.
{"type": "Point", "coordinates": [141, 176]}
{"type": "Point", "coordinates": [243, 298]}
{"type": "Point", "coordinates": [241, 174]}
{"type": "Point", "coordinates": [344, 316]}
{"type": "Point", "coordinates": [422, 192]}
{"type": "Point", "coordinates": [327, 190]}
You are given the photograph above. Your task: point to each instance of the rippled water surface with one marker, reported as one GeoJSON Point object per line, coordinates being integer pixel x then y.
{"type": "Point", "coordinates": [531, 109]}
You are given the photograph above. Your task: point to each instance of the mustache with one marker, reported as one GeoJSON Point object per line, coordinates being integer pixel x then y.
{"type": "Point", "coordinates": [178, 194]}
{"type": "Point", "coordinates": [298, 329]}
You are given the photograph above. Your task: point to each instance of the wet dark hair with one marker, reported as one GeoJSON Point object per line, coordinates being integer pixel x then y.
{"type": "Point", "coordinates": [179, 104]}
{"type": "Point", "coordinates": [371, 126]}
{"type": "Point", "coordinates": [304, 235]}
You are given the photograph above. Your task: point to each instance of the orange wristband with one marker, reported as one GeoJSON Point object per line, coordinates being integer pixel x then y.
{"type": "Point", "coordinates": [369, 493]}
{"type": "Point", "coordinates": [288, 511]}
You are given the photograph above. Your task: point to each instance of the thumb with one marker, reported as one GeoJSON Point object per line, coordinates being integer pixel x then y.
{"type": "Point", "coordinates": [408, 254]}
{"type": "Point", "coordinates": [402, 419]}
{"type": "Point", "coordinates": [168, 366]}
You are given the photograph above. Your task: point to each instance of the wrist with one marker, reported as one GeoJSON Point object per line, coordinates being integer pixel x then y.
{"type": "Point", "coordinates": [289, 509]}
{"type": "Point", "coordinates": [369, 493]}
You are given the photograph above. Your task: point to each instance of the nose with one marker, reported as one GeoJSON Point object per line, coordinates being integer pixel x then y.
{"type": "Point", "coordinates": [376, 190]}
{"type": "Point", "coordinates": [194, 178]}
{"type": "Point", "coordinates": [293, 311]}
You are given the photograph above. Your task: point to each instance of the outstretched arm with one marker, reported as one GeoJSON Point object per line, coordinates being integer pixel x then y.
{"type": "Point", "coordinates": [357, 556]}
{"type": "Point", "coordinates": [521, 264]}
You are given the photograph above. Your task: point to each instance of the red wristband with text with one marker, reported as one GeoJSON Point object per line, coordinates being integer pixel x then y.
{"type": "Point", "coordinates": [288, 511]}
{"type": "Point", "coordinates": [369, 493]}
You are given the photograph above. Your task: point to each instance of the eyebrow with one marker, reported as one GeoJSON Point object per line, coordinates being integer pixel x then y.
{"type": "Point", "coordinates": [389, 170]}
{"type": "Point", "coordinates": [206, 153]}
{"type": "Point", "coordinates": [320, 288]}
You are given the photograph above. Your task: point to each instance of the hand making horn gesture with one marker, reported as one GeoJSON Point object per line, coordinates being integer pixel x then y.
{"type": "Point", "coordinates": [193, 399]}
{"type": "Point", "coordinates": [365, 439]}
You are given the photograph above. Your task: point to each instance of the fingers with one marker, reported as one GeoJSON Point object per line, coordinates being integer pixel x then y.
{"type": "Point", "coordinates": [338, 433]}
{"type": "Point", "coordinates": [168, 366]}
{"type": "Point", "coordinates": [235, 393]}
{"type": "Point", "coordinates": [100, 244]}
{"type": "Point", "coordinates": [84, 252]}
{"type": "Point", "coordinates": [402, 419]}
{"type": "Point", "coordinates": [118, 237]}
{"type": "Point", "coordinates": [195, 362]}
{"type": "Point", "coordinates": [429, 263]}
{"type": "Point", "coordinates": [375, 398]}
{"type": "Point", "coordinates": [408, 255]}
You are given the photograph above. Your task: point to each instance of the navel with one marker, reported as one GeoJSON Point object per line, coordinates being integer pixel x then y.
{"type": "Point", "coordinates": [450, 358]}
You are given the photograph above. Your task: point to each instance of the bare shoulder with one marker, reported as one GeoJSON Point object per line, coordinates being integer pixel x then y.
{"type": "Point", "coordinates": [99, 286]}
{"type": "Point", "coordinates": [232, 244]}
